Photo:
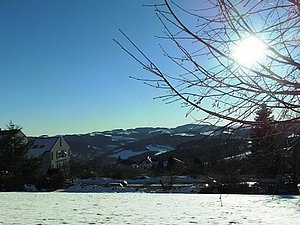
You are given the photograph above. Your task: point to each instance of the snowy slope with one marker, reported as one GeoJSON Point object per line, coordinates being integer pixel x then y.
{"type": "Point", "coordinates": [140, 208]}
{"type": "Point", "coordinates": [139, 140]}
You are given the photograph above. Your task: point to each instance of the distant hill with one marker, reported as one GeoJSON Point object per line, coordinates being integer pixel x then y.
{"type": "Point", "coordinates": [138, 143]}
{"type": "Point", "coordinates": [208, 149]}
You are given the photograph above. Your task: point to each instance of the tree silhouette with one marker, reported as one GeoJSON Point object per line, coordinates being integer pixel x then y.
{"type": "Point", "coordinates": [15, 168]}
{"type": "Point", "coordinates": [267, 143]}
{"type": "Point", "coordinates": [204, 74]}
{"type": "Point", "coordinates": [263, 133]}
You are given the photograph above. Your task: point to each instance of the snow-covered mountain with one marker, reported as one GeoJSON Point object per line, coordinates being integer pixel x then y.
{"type": "Point", "coordinates": [139, 141]}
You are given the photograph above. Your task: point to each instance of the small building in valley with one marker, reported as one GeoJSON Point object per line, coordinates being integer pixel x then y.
{"type": "Point", "coordinates": [146, 165]}
{"type": "Point", "coordinates": [54, 153]}
{"type": "Point", "coordinates": [126, 164]}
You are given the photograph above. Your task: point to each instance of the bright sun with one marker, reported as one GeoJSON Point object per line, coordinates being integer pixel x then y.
{"type": "Point", "coordinates": [249, 51]}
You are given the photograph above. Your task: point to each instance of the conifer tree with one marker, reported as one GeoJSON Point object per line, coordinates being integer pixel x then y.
{"type": "Point", "coordinates": [263, 132]}
{"type": "Point", "coordinates": [266, 145]}
{"type": "Point", "coordinates": [15, 168]}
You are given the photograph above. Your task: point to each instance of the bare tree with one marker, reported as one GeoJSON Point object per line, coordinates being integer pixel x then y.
{"type": "Point", "coordinates": [213, 76]}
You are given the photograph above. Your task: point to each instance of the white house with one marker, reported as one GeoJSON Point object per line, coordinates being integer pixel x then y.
{"type": "Point", "coordinates": [54, 153]}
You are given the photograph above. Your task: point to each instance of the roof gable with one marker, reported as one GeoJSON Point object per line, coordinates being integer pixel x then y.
{"type": "Point", "coordinates": [42, 145]}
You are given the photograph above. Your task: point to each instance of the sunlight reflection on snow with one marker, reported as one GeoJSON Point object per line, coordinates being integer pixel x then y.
{"type": "Point", "coordinates": [137, 208]}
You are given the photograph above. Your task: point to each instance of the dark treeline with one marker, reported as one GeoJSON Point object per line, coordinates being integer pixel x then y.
{"type": "Point", "coordinates": [268, 151]}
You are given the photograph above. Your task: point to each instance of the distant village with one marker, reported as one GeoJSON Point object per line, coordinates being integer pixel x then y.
{"type": "Point", "coordinates": [46, 164]}
{"type": "Point", "coordinates": [54, 155]}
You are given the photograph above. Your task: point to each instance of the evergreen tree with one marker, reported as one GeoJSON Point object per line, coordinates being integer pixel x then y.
{"type": "Point", "coordinates": [263, 132]}
{"type": "Point", "coordinates": [266, 143]}
{"type": "Point", "coordinates": [15, 168]}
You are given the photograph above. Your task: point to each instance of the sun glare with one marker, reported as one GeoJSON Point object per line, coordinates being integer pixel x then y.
{"type": "Point", "coordinates": [249, 51]}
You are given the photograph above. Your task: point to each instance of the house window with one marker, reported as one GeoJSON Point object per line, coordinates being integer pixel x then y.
{"type": "Point", "coordinates": [42, 146]}
{"type": "Point", "coordinates": [60, 154]}
{"type": "Point", "coordinates": [35, 146]}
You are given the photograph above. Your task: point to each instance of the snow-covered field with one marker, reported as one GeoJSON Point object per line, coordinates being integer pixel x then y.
{"type": "Point", "coordinates": [125, 154]}
{"type": "Point", "coordinates": [141, 208]}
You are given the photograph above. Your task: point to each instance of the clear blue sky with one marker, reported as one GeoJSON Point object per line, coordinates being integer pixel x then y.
{"type": "Point", "coordinates": [62, 73]}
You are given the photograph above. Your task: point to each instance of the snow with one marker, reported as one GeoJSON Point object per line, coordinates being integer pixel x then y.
{"type": "Point", "coordinates": [293, 135]}
{"type": "Point", "coordinates": [184, 134]}
{"type": "Point", "coordinates": [111, 146]}
{"type": "Point", "coordinates": [94, 147]}
{"type": "Point", "coordinates": [227, 132]}
{"type": "Point", "coordinates": [161, 131]}
{"type": "Point", "coordinates": [159, 148]}
{"type": "Point", "coordinates": [239, 156]}
{"type": "Point", "coordinates": [122, 138]}
{"type": "Point", "coordinates": [208, 133]}
{"type": "Point", "coordinates": [95, 133]}
{"type": "Point", "coordinates": [124, 154]}
{"type": "Point", "coordinates": [41, 145]}
{"type": "Point", "coordinates": [121, 132]}
{"type": "Point", "coordinates": [141, 208]}
{"type": "Point", "coordinates": [106, 135]}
